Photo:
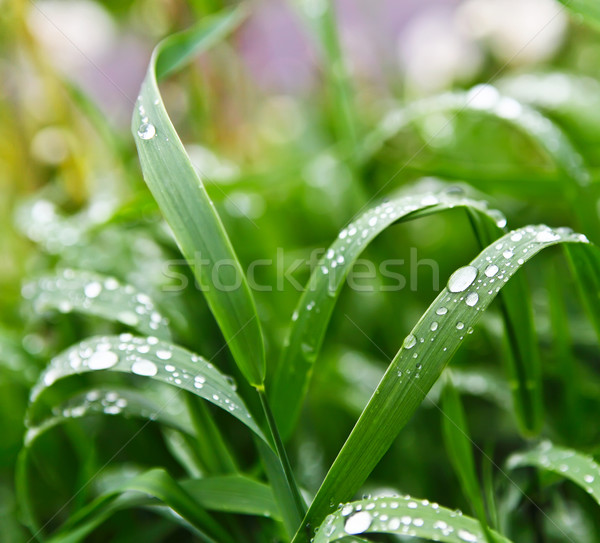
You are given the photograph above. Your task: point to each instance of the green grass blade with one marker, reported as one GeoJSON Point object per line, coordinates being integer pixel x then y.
{"type": "Point", "coordinates": [190, 213]}
{"type": "Point", "coordinates": [98, 295]}
{"type": "Point", "coordinates": [486, 100]}
{"type": "Point", "coordinates": [460, 451]}
{"type": "Point", "coordinates": [155, 483]}
{"type": "Point", "coordinates": [321, 16]}
{"type": "Point", "coordinates": [585, 267]}
{"type": "Point", "coordinates": [308, 329]}
{"type": "Point", "coordinates": [422, 358]}
{"type": "Point", "coordinates": [588, 9]}
{"type": "Point", "coordinates": [523, 363]}
{"type": "Point", "coordinates": [234, 494]}
{"type": "Point", "coordinates": [405, 516]}
{"type": "Point", "coordinates": [583, 470]}
{"type": "Point", "coordinates": [151, 358]}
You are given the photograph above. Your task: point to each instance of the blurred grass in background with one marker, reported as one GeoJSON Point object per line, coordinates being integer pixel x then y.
{"type": "Point", "coordinates": [276, 120]}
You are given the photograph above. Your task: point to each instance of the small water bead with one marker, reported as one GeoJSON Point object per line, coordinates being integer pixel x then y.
{"type": "Point", "coordinates": [164, 354]}
{"type": "Point", "coordinates": [508, 254]}
{"type": "Point", "coordinates": [462, 279]}
{"type": "Point", "coordinates": [441, 311]}
{"type": "Point", "coordinates": [358, 523]}
{"type": "Point", "coordinates": [144, 367]}
{"type": "Point", "coordinates": [330, 254]}
{"type": "Point", "coordinates": [102, 360]}
{"type": "Point", "coordinates": [411, 505]}
{"type": "Point", "coordinates": [343, 234]}
{"type": "Point", "coordinates": [146, 131]}
{"type": "Point", "coordinates": [409, 342]}
{"type": "Point", "coordinates": [588, 479]}
{"type": "Point", "coordinates": [346, 510]}
{"type": "Point", "coordinates": [372, 221]}
{"type": "Point", "coordinates": [460, 325]}
{"type": "Point", "coordinates": [517, 236]}
{"type": "Point", "coordinates": [418, 522]}
{"type": "Point", "coordinates": [472, 299]}
{"type": "Point", "coordinates": [434, 326]}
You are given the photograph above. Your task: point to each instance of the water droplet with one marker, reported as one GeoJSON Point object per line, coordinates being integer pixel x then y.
{"type": "Point", "coordinates": [508, 254]}
{"type": "Point", "coordinates": [466, 536]}
{"type": "Point", "coordinates": [462, 278]}
{"type": "Point", "coordinates": [146, 131]}
{"type": "Point", "coordinates": [589, 478]}
{"type": "Point", "coordinates": [546, 236]}
{"type": "Point", "coordinates": [460, 325]}
{"type": "Point", "coordinates": [472, 299]}
{"type": "Point", "coordinates": [358, 523]}
{"type": "Point", "coordinates": [372, 221]}
{"type": "Point", "coordinates": [434, 326]}
{"type": "Point", "coordinates": [92, 290]}
{"type": "Point", "coordinates": [441, 311]}
{"type": "Point", "coordinates": [517, 236]}
{"type": "Point", "coordinates": [102, 360]}
{"type": "Point", "coordinates": [491, 270]}
{"type": "Point", "coordinates": [418, 522]}
{"type": "Point", "coordinates": [409, 342]}
{"type": "Point", "coordinates": [144, 367]}
{"type": "Point", "coordinates": [164, 354]}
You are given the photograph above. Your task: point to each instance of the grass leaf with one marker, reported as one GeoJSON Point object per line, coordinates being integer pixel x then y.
{"type": "Point", "coordinates": [583, 470]}
{"type": "Point", "coordinates": [98, 295]}
{"type": "Point", "coordinates": [402, 515]}
{"type": "Point", "coordinates": [151, 358]}
{"type": "Point", "coordinates": [187, 208]}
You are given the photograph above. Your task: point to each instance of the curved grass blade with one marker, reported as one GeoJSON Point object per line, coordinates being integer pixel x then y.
{"type": "Point", "coordinates": [459, 448]}
{"type": "Point", "coordinates": [522, 360]}
{"type": "Point", "coordinates": [583, 470]}
{"type": "Point", "coordinates": [155, 483]}
{"type": "Point", "coordinates": [405, 516]}
{"type": "Point", "coordinates": [146, 404]}
{"type": "Point", "coordinates": [151, 358]}
{"type": "Point", "coordinates": [98, 295]}
{"type": "Point", "coordinates": [423, 356]}
{"type": "Point", "coordinates": [486, 100]}
{"type": "Point", "coordinates": [186, 206]}
{"type": "Point", "coordinates": [585, 266]}
{"type": "Point", "coordinates": [230, 494]}
{"type": "Point", "coordinates": [316, 304]}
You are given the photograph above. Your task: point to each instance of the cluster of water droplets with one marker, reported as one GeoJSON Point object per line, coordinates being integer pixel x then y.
{"type": "Point", "coordinates": [148, 357]}
{"type": "Point", "coordinates": [401, 515]}
{"type": "Point", "coordinates": [76, 290]}
{"type": "Point", "coordinates": [475, 285]}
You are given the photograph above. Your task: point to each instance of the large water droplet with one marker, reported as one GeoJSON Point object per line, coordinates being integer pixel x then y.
{"type": "Point", "coordinates": [462, 279]}
{"type": "Point", "coordinates": [358, 523]}
{"type": "Point", "coordinates": [102, 360]}
{"type": "Point", "coordinates": [146, 131]}
{"type": "Point", "coordinates": [409, 342]}
{"type": "Point", "coordinates": [144, 367]}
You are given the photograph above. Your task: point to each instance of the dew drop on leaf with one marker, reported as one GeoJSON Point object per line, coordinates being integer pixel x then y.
{"type": "Point", "coordinates": [491, 270]}
{"type": "Point", "coordinates": [358, 523]}
{"type": "Point", "coordinates": [409, 342]}
{"type": "Point", "coordinates": [462, 279]}
{"type": "Point", "coordinates": [466, 536]}
{"type": "Point", "coordinates": [472, 299]}
{"type": "Point", "coordinates": [144, 367]}
{"type": "Point", "coordinates": [146, 131]}
{"type": "Point", "coordinates": [102, 360]}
